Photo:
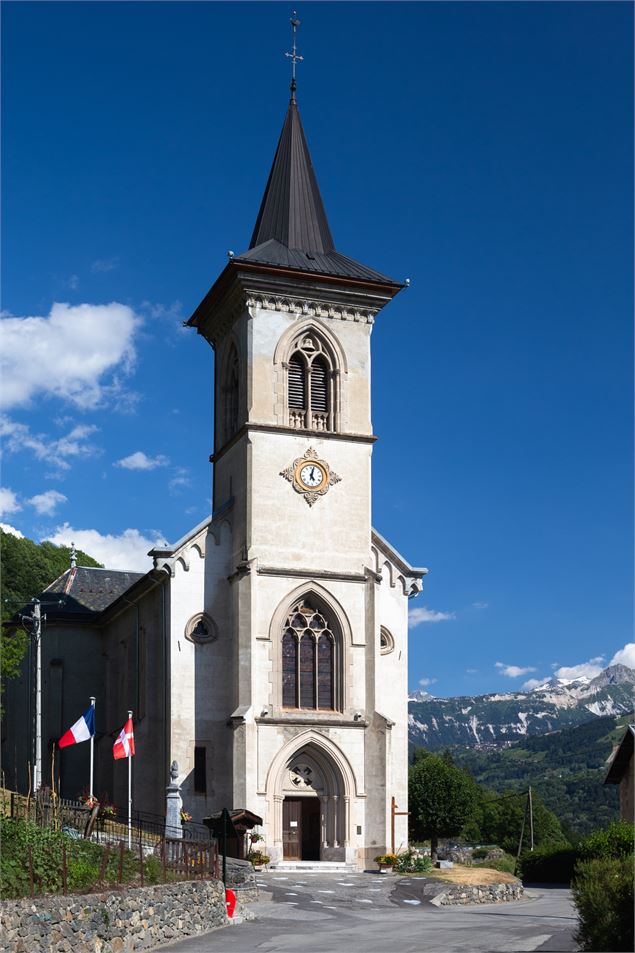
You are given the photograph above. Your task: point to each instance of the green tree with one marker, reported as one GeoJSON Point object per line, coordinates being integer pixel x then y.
{"type": "Point", "coordinates": [26, 569]}
{"type": "Point", "coordinates": [501, 821]}
{"type": "Point", "coordinates": [442, 798]}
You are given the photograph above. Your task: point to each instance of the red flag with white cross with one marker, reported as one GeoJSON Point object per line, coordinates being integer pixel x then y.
{"type": "Point", "coordinates": [124, 745]}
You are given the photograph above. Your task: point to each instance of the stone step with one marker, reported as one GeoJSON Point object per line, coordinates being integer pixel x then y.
{"type": "Point", "coordinates": [317, 866]}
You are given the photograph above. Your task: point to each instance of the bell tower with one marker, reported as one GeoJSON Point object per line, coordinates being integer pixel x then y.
{"type": "Point", "coordinates": [308, 589]}
{"type": "Point", "coordinates": [290, 321]}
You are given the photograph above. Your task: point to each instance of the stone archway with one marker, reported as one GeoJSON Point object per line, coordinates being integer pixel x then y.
{"type": "Point", "coordinates": [309, 791]}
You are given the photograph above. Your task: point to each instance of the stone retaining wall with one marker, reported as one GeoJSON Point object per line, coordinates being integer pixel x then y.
{"type": "Point", "coordinates": [113, 922]}
{"type": "Point", "coordinates": [456, 894]}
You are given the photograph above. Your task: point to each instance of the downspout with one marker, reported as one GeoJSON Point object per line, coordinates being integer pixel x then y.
{"type": "Point", "coordinates": [135, 605]}
{"type": "Point", "coordinates": [165, 656]}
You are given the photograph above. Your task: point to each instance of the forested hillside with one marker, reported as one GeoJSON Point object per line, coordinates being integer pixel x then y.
{"type": "Point", "coordinates": [26, 568]}
{"type": "Point", "coordinates": [567, 768]}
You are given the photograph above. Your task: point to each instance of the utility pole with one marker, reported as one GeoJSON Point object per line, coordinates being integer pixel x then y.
{"type": "Point", "coordinates": [36, 618]}
{"type": "Point", "coordinates": [32, 624]}
{"type": "Point", "coordinates": [531, 821]}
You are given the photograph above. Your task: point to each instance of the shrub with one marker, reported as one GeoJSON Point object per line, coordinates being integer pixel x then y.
{"type": "Point", "coordinates": [556, 865]}
{"type": "Point", "coordinates": [603, 893]}
{"type": "Point", "coordinates": [506, 863]}
{"type": "Point", "coordinates": [411, 863]}
{"type": "Point", "coordinates": [615, 841]}
{"type": "Point", "coordinates": [153, 870]}
{"type": "Point", "coordinates": [548, 865]}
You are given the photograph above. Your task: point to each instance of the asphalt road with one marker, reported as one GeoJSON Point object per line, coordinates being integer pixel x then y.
{"type": "Point", "coordinates": [369, 913]}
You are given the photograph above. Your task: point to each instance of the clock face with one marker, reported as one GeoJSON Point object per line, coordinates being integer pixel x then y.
{"type": "Point", "coordinates": [311, 475]}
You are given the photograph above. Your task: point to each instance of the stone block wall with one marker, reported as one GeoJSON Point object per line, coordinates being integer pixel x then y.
{"type": "Point", "coordinates": [113, 922]}
{"type": "Point", "coordinates": [457, 894]}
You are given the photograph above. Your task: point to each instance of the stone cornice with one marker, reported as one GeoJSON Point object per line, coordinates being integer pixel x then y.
{"type": "Point", "coordinates": [315, 719]}
{"type": "Point", "coordinates": [307, 307]}
{"type": "Point", "coordinates": [292, 431]}
{"type": "Point", "coordinates": [240, 288]}
{"type": "Point", "coordinates": [312, 573]}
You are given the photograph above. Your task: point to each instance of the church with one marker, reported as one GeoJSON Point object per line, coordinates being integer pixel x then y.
{"type": "Point", "coordinates": [266, 652]}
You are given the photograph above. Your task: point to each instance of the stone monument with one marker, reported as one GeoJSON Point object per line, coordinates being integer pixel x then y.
{"type": "Point", "coordinates": [173, 805]}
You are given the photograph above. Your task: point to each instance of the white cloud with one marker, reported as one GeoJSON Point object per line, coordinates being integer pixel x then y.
{"type": "Point", "coordinates": [47, 502]}
{"type": "Point", "coordinates": [18, 437]}
{"type": "Point", "coordinates": [11, 529]}
{"type": "Point", "coordinates": [625, 656]}
{"type": "Point", "coordinates": [126, 551]}
{"type": "Point", "coordinates": [532, 683]}
{"type": "Point", "coordinates": [9, 502]}
{"type": "Point", "coordinates": [514, 671]}
{"type": "Point", "coordinates": [67, 354]}
{"type": "Point", "coordinates": [418, 616]}
{"type": "Point", "coordinates": [591, 668]}
{"type": "Point", "coordinates": [480, 605]}
{"type": "Point", "coordinates": [424, 682]}
{"type": "Point", "coordinates": [104, 264]}
{"type": "Point", "coordinates": [471, 671]}
{"type": "Point", "coordinates": [180, 481]}
{"type": "Point", "coordinates": [141, 461]}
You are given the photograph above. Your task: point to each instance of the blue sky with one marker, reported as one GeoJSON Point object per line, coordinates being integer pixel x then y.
{"type": "Point", "coordinates": [482, 150]}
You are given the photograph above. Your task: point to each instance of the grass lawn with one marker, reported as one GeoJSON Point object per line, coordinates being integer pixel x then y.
{"type": "Point", "coordinates": [470, 875]}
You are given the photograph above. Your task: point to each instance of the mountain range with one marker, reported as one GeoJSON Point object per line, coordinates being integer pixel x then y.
{"type": "Point", "coordinates": [496, 720]}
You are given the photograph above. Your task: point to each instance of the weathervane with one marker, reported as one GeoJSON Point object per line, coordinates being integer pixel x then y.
{"type": "Point", "coordinates": [294, 55]}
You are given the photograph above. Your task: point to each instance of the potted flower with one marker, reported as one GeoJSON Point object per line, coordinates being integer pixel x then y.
{"type": "Point", "coordinates": [185, 817]}
{"type": "Point", "coordinates": [258, 859]}
{"type": "Point", "coordinates": [386, 862]}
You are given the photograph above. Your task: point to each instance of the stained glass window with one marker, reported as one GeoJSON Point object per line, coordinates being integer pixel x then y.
{"type": "Point", "coordinates": [325, 672]}
{"type": "Point", "coordinates": [307, 671]}
{"type": "Point", "coordinates": [309, 651]}
{"type": "Point", "coordinates": [289, 670]}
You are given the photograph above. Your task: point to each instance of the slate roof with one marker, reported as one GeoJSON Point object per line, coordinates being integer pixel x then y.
{"type": "Point", "coordinates": [292, 230]}
{"type": "Point", "coordinates": [87, 590]}
{"type": "Point", "coordinates": [621, 758]}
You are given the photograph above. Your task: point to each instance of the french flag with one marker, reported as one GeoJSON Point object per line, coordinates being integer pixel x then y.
{"type": "Point", "coordinates": [82, 730]}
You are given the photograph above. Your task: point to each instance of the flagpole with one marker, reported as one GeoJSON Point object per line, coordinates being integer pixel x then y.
{"type": "Point", "coordinates": [92, 750]}
{"type": "Point", "coordinates": [129, 793]}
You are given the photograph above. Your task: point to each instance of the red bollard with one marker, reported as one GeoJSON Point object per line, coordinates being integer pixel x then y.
{"type": "Point", "coordinates": [230, 900]}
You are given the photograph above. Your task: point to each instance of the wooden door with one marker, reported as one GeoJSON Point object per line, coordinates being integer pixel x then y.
{"type": "Point", "coordinates": [292, 828]}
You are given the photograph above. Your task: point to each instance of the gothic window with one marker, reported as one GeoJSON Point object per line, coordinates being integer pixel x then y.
{"type": "Point", "coordinates": [201, 629]}
{"type": "Point", "coordinates": [311, 383]}
{"type": "Point", "coordinates": [309, 652]}
{"type": "Point", "coordinates": [230, 394]}
{"type": "Point", "coordinates": [386, 641]}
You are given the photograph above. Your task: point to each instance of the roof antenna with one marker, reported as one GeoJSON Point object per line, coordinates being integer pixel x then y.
{"type": "Point", "coordinates": [73, 556]}
{"type": "Point", "coordinates": [294, 56]}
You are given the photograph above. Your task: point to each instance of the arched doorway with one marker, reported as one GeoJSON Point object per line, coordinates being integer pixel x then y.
{"type": "Point", "coordinates": [310, 790]}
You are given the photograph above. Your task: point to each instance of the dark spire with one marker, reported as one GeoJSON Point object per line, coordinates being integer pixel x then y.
{"type": "Point", "coordinates": [292, 211]}
{"type": "Point", "coordinates": [292, 230]}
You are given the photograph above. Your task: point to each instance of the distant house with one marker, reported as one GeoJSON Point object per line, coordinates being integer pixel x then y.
{"type": "Point", "coordinates": [621, 772]}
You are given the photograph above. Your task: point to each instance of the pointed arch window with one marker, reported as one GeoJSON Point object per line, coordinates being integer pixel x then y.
{"type": "Point", "coordinates": [230, 394]}
{"type": "Point", "coordinates": [309, 659]}
{"type": "Point", "coordinates": [311, 384]}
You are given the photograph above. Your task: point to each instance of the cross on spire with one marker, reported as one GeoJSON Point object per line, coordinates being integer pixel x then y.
{"type": "Point", "coordinates": [294, 56]}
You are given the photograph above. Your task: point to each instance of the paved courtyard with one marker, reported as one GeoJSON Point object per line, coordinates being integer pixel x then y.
{"type": "Point", "coordinates": [319, 913]}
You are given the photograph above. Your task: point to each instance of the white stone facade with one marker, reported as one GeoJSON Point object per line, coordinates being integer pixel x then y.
{"type": "Point", "coordinates": [264, 550]}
